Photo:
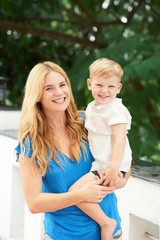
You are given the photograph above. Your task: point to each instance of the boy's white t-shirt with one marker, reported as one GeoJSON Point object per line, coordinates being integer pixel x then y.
{"type": "Point", "coordinates": [98, 123]}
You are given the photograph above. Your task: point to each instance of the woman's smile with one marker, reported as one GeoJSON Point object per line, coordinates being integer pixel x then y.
{"type": "Point", "coordinates": [59, 100]}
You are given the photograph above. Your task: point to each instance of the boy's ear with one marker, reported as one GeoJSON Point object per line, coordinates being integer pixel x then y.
{"type": "Point", "coordinates": [89, 83]}
{"type": "Point", "coordinates": [119, 87]}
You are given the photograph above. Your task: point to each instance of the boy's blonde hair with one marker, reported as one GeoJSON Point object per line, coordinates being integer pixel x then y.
{"type": "Point", "coordinates": [105, 67]}
{"type": "Point", "coordinates": [34, 126]}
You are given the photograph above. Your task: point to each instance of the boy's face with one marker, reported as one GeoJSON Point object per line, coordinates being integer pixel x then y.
{"type": "Point", "coordinates": [104, 89]}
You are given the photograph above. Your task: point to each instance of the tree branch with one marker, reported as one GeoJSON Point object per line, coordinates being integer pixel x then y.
{"type": "Point", "coordinates": [51, 34]}
{"type": "Point", "coordinates": [88, 13]}
{"type": "Point", "coordinates": [46, 19]}
{"type": "Point", "coordinates": [153, 10]}
{"type": "Point", "coordinates": [111, 22]}
{"type": "Point", "coordinates": [134, 10]}
{"type": "Point", "coordinates": [129, 18]}
{"type": "Point", "coordinates": [79, 18]}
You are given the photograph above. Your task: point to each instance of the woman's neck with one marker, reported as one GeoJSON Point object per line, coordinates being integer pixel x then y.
{"type": "Point", "coordinates": [57, 121]}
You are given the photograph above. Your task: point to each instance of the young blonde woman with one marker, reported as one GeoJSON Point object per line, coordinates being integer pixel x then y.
{"type": "Point", "coordinates": [53, 153]}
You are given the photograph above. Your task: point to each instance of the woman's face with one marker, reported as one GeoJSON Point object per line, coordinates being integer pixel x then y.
{"type": "Point", "coordinates": [56, 93]}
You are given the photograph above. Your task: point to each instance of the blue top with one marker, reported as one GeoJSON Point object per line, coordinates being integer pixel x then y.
{"type": "Point", "coordinates": [71, 223]}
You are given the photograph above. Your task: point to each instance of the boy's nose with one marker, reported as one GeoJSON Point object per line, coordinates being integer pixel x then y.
{"type": "Point", "coordinates": [104, 90]}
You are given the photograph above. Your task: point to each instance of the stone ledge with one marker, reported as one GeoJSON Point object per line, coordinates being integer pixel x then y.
{"type": "Point", "coordinates": [148, 173]}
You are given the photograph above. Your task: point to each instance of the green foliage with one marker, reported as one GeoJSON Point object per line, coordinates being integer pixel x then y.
{"type": "Point", "coordinates": [74, 34]}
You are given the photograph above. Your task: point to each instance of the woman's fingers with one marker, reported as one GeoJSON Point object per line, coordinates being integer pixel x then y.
{"type": "Point", "coordinates": [98, 181]}
{"type": "Point", "coordinates": [94, 191]}
{"type": "Point", "coordinates": [106, 189]}
{"type": "Point", "coordinates": [102, 191]}
{"type": "Point", "coordinates": [106, 182]}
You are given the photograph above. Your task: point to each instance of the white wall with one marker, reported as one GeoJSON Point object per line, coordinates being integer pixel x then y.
{"type": "Point", "coordinates": [9, 119]}
{"type": "Point", "coordinates": [139, 206]}
{"type": "Point", "coordinates": [16, 222]}
{"type": "Point", "coordinates": [7, 155]}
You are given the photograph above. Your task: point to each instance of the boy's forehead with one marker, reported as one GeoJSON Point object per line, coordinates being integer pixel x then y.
{"type": "Point", "coordinates": [112, 78]}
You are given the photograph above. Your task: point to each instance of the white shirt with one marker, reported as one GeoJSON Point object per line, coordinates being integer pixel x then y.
{"type": "Point", "coordinates": [98, 123]}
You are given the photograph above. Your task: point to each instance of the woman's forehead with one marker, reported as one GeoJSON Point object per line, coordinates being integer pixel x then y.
{"type": "Point", "coordinates": [54, 77]}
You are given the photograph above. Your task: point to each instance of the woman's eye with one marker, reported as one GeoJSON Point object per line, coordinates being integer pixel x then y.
{"type": "Point", "coordinates": [63, 84]}
{"type": "Point", "coordinates": [48, 89]}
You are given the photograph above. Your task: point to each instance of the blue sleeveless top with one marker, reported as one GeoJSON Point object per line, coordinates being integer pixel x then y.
{"type": "Point", "coordinates": [71, 223]}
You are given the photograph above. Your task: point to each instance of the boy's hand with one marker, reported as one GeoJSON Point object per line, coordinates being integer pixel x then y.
{"type": "Point", "coordinates": [111, 176]}
{"type": "Point", "coordinates": [102, 173]}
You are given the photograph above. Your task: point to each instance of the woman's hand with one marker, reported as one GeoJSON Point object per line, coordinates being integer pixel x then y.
{"type": "Point", "coordinates": [94, 191]}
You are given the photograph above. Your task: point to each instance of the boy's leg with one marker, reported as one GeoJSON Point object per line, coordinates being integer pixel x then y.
{"type": "Point", "coordinates": [94, 211]}
{"type": "Point", "coordinates": [80, 182]}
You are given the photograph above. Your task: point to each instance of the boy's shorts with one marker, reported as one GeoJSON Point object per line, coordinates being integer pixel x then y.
{"type": "Point", "coordinates": [97, 174]}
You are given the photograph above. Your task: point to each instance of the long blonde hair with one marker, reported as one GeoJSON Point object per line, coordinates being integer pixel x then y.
{"type": "Point", "coordinates": [34, 126]}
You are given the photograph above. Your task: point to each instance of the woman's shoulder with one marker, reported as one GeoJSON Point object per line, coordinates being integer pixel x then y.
{"type": "Point", "coordinates": [25, 147]}
{"type": "Point", "coordinates": [81, 114]}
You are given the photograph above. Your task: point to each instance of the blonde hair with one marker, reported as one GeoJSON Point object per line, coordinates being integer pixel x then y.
{"type": "Point", "coordinates": [34, 126]}
{"type": "Point", "coordinates": [105, 67]}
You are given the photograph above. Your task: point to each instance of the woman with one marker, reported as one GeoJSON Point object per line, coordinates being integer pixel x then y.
{"type": "Point", "coordinates": [53, 153]}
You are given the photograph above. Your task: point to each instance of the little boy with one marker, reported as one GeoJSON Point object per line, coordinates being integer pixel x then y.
{"type": "Point", "coordinates": [107, 122]}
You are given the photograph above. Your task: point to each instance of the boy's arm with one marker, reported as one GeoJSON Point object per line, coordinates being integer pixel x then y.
{"type": "Point", "coordinates": [119, 141]}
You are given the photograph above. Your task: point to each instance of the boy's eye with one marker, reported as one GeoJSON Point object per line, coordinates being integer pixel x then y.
{"type": "Point", "coordinates": [111, 86]}
{"type": "Point", "coordinates": [98, 85]}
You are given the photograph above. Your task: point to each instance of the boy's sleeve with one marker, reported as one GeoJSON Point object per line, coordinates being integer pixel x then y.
{"type": "Point", "coordinates": [120, 115]}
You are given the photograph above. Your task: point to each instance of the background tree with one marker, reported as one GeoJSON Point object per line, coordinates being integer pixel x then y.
{"type": "Point", "coordinates": [74, 34]}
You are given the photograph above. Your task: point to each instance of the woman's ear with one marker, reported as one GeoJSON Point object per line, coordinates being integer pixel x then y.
{"type": "Point", "coordinates": [89, 84]}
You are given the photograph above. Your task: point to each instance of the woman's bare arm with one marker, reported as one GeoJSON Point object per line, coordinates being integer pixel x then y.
{"type": "Point", "coordinates": [38, 201]}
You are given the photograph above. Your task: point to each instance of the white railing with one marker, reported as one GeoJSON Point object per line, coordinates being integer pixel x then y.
{"type": "Point", "coordinates": [149, 236]}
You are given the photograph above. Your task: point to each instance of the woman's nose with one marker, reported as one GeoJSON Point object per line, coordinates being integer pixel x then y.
{"type": "Point", "coordinates": [58, 91]}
